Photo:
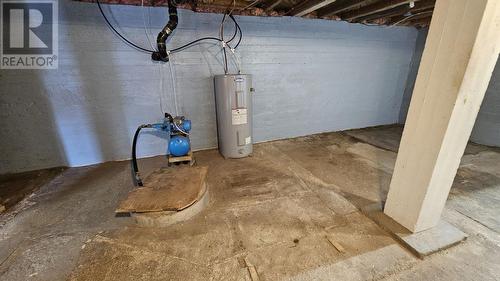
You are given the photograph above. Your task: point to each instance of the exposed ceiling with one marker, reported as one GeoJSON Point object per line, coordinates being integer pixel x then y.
{"type": "Point", "coordinates": [382, 12]}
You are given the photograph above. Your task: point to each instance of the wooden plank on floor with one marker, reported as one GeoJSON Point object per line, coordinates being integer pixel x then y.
{"type": "Point", "coordinates": [335, 244]}
{"type": "Point", "coordinates": [167, 189]}
{"type": "Point", "coordinates": [252, 271]}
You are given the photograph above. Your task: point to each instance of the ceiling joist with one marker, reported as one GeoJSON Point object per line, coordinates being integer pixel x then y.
{"type": "Point", "coordinates": [362, 11]}
{"type": "Point", "coordinates": [375, 8]}
{"type": "Point", "coordinates": [400, 11]}
{"type": "Point", "coordinates": [309, 7]}
{"type": "Point", "coordinates": [272, 5]}
{"type": "Point", "coordinates": [335, 9]}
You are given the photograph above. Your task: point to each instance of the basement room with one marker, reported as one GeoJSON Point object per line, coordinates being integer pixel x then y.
{"type": "Point", "coordinates": [252, 140]}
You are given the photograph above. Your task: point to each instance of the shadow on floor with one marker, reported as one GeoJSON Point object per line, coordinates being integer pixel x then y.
{"type": "Point", "coordinates": [15, 187]}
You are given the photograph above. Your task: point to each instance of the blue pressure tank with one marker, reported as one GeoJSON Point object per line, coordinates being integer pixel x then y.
{"type": "Point", "coordinates": [179, 146]}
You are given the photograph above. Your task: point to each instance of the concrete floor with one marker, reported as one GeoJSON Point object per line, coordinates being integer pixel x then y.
{"type": "Point", "coordinates": [290, 212]}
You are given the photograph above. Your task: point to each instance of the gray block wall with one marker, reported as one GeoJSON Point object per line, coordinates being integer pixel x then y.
{"type": "Point", "coordinates": [487, 128]}
{"type": "Point", "coordinates": [412, 74]}
{"type": "Point", "coordinates": [310, 76]}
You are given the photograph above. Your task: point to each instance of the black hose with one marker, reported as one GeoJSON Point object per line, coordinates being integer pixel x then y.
{"type": "Point", "coordinates": [118, 33]}
{"type": "Point", "coordinates": [137, 176]}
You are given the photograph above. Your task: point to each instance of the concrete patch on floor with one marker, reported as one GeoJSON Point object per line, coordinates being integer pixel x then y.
{"type": "Point", "coordinates": [430, 241]}
{"type": "Point", "coordinates": [423, 243]}
{"type": "Point", "coordinates": [329, 161]}
{"type": "Point", "coordinates": [476, 194]}
{"type": "Point", "coordinates": [43, 258]}
{"type": "Point", "coordinates": [373, 265]}
{"type": "Point", "coordinates": [471, 227]}
{"type": "Point", "coordinates": [208, 238]}
{"type": "Point", "coordinates": [360, 235]}
{"type": "Point", "coordinates": [385, 137]}
{"type": "Point", "coordinates": [475, 259]}
{"type": "Point", "coordinates": [374, 156]}
{"type": "Point", "coordinates": [107, 259]}
{"type": "Point", "coordinates": [281, 221]}
{"type": "Point", "coordinates": [485, 161]}
{"type": "Point", "coordinates": [333, 200]}
{"type": "Point", "coordinates": [356, 237]}
{"type": "Point", "coordinates": [389, 138]}
{"type": "Point", "coordinates": [279, 261]}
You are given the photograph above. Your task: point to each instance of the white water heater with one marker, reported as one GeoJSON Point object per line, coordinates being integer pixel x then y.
{"type": "Point", "coordinates": [233, 97]}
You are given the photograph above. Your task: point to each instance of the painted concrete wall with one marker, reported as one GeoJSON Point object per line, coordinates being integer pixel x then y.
{"type": "Point", "coordinates": [487, 127]}
{"type": "Point", "coordinates": [412, 74]}
{"type": "Point", "coordinates": [310, 76]}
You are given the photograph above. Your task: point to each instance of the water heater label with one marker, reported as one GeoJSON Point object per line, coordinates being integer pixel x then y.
{"type": "Point", "coordinates": [248, 140]}
{"type": "Point", "coordinates": [240, 116]}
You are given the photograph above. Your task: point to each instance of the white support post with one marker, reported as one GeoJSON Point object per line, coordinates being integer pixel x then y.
{"type": "Point", "coordinates": [461, 50]}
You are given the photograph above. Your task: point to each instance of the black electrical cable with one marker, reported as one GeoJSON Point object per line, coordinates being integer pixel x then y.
{"type": "Point", "coordinates": [221, 35]}
{"type": "Point", "coordinates": [146, 50]}
{"type": "Point", "coordinates": [137, 176]}
{"type": "Point", "coordinates": [235, 29]}
{"type": "Point", "coordinates": [226, 69]}
{"type": "Point", "coordinates": [239, 29]}
{"type": "Point", "coordinates": [118, 33]}
{"type": "Point", "coordinates": [175, 50]}
{"type": "Point", "coordinates": [178, 49]}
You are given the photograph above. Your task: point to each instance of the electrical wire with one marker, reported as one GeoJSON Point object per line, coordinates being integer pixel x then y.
{"type": "Point", "coordinates": [145, 29]}
{"type": "Point", "coordinates": [237, 61]}
{"type": "Point", "coordinates": [174, 89]}
{"type": "Point", "coordinates": [226, 69]}
{"type": "Point", "coordinates": [250, 5]}
{"type": "Point", "coordinates": [409, 17]}
{"type": "Point", "coordinates": [235, 29]}
{"type": "Point", "coordinates": [239, 30]}
{"type": "Point", "coordinates": [178, 49]}
{"type": "Point", "coordinates": [118, 33]}
{"type": "Point", "coordinates": [225, 44]}
{"type": "Point", "coordinates": [175, 50]}
{"type": "Point", "coordinates": [180, 130]}
{"type": "Point", "coordinates": [161, 88]}
{"type": "Point", "coordinates": [221, 35]}
{"type": "Point", "coordinates": [190, 44]}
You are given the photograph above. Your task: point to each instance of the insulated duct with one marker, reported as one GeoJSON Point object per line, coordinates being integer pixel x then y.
{"type": "Point", "coordinates": [161, 54]}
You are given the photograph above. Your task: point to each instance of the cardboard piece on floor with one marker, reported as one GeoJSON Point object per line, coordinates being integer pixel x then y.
{"type": "Point", "coordinates": [167, 189]}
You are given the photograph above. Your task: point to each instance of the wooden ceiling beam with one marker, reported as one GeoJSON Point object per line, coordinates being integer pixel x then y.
{"type": "Point", "coordinates": [403, 18]}
{"type": "Point", "coordinates": [425, 21]}
{"type": "Point", "coordinates": [308, 7]}
{"type": "Point", "coordinates": [252, 4]}
{"type": "Point", "coordinates": [375, 8]}
{"type": "Point", "coordinates": [273, 4]}
{"type": "Point", "coordinates": [334, 9]}
{"type": "Point", "coordinates": [400, 11]}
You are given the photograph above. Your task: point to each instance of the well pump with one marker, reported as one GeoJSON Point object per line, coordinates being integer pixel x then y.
{"type": "Point", "coordinates": [177, 128]}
